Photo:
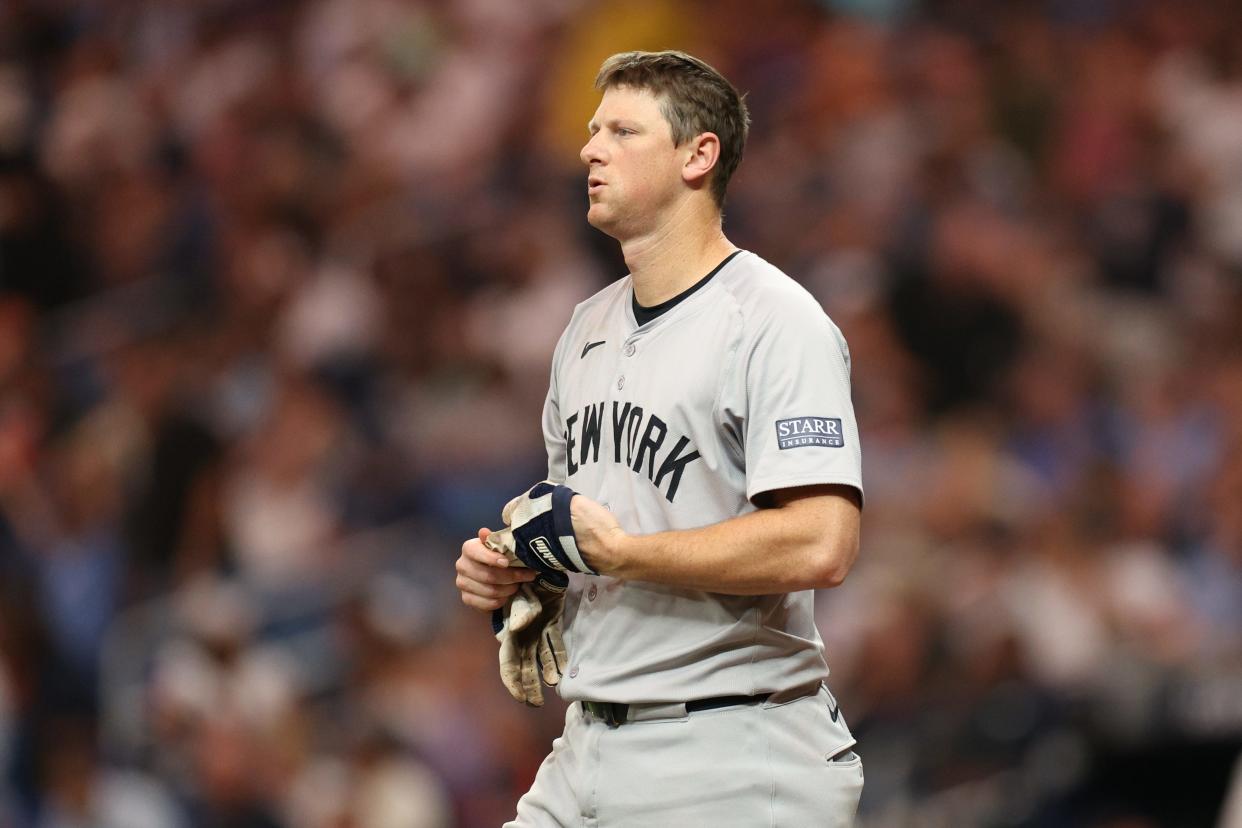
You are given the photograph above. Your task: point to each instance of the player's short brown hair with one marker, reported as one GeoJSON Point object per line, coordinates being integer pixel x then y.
{"type": "Point", "coordinates": [694, 98]}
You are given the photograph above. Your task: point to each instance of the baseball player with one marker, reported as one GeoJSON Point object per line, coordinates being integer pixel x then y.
{"type": "Point", "coordinates": [699, 425]}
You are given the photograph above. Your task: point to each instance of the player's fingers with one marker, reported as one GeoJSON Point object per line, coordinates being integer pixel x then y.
{"type": "Point", "coordinates": [482, 604]}
{"type": "Point", "coordinates": [483, 589]}
{"type": "Point", "coordinates": [488, 574]}
{"type": "Point", "coordinates": [476, 551]}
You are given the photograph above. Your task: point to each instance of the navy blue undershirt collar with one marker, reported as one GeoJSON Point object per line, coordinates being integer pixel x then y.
{"type": "Point", "coordinates": [644, 315]}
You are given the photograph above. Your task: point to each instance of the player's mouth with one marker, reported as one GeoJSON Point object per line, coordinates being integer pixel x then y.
{"type": "Point", "coordinates": [594, 185]}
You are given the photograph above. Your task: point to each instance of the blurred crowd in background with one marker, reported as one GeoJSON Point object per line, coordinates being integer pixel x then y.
{"type": "Point", "coordinates": [279, 285]}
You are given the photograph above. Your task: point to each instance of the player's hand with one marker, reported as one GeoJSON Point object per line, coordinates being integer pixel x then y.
{"type": "Point", "coordinates": [598, 534]}
{"type": "Point", "coordinates": [484, 577]}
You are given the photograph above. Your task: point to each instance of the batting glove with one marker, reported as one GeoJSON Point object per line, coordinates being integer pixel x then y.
{"type": "Point", "coordinates": [538, 532]}
{"type": "Point", "coordinates": [528, 628]}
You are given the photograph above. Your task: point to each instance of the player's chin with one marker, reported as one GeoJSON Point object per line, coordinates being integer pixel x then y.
{"type": "Point", "coordinates": [602, 219]}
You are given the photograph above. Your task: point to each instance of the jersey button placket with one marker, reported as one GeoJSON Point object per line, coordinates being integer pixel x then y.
{"type": "Point", "coordinates": [629, 350]}
{"type": "Point", "coordinates": [592, 592]}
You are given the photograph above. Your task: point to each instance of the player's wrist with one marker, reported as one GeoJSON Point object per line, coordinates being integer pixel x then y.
{"type": "Point", "coordinates": [610, 552]}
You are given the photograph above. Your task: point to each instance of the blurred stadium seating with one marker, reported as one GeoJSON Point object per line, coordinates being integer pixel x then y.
{"type": "Point", "coordinates": [279, 284]}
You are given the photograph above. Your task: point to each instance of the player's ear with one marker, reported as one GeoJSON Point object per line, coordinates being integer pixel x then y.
{"type": "Point", "coordinates": [702, 153]}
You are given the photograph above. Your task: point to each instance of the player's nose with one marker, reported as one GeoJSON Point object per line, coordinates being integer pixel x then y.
{"type": "Point", "coordinates": [591, 152]}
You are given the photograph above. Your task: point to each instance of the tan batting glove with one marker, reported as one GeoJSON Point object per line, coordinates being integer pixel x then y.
{"type": "Point", "coordinates": [531, 643]}
{"type": "Point", "coordinates": [528, 627]}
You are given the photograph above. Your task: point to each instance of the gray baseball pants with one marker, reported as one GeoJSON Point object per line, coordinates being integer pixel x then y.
{"type": "Point", "coordinates": [771, 765]}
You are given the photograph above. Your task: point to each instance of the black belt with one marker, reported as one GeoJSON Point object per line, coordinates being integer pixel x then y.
{"type": "Point", "coordinates": [617, 713]}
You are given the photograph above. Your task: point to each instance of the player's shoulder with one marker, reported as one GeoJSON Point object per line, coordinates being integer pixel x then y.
{"type": "Point", "coordinates": [593, 312]}
{"type": "Point", "coordinates": [605, 298]}
{"type": "Point", "coordinates": [596, 308]}
{"type": "Point", "coordinates": [764, 294]}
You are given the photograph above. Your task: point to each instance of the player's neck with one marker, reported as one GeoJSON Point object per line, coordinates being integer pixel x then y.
{"type": "Point", "coordinates": [674, 256]}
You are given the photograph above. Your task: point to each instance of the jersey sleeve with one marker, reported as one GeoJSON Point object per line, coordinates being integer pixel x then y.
{"type": "Point", "coordinates": [796, 416]}
{"type": "Point", "coordinates": [553, 431]}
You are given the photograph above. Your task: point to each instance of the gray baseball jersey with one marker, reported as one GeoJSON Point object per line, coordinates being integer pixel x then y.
{"type": "Point", "coordinates": [740, 389]}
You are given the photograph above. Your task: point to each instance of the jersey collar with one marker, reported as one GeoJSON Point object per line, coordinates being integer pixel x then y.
{"type": "Point", "coordinates": [640, 316]}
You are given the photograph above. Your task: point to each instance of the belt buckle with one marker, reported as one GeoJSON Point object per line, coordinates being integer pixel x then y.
{"type": "Point", "coordinates": [612, 714]}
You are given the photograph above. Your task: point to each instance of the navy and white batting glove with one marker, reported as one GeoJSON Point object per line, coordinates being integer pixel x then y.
{"type": "Point", "coordinates": [539, 534]}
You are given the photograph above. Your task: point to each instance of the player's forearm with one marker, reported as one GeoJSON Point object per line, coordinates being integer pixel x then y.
{"type": "Point", "coordinates": [764, 552]}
